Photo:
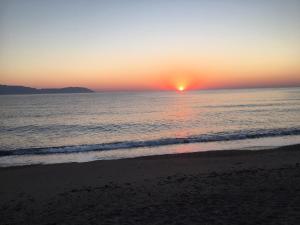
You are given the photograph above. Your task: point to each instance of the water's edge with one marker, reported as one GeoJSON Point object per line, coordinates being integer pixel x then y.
{"type": "Point", "coordinates": [241, 135]}
{"type": "Point", "coordinates": [213, 152]}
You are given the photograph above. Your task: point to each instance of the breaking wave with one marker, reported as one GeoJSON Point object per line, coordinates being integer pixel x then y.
{"type": "Point", "coordinates": [215, 137]}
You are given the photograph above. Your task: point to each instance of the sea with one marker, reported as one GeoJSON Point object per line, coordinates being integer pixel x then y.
{"type": "Point", "coordinates": [62, 128]}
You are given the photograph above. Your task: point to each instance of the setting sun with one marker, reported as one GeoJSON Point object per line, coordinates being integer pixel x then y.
{"type": "Point", "coordinates": [181, 88]}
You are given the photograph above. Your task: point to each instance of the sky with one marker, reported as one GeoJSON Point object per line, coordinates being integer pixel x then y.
{"type": "Point", "coordinates": [150, 45]}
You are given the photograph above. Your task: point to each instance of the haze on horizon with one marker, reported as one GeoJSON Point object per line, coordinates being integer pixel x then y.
{"type": "Point", "coordinates": [142, 45]}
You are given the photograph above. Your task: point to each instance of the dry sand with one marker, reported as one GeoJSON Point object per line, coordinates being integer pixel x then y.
{"type": "Point", "coordinates": [222, 187]}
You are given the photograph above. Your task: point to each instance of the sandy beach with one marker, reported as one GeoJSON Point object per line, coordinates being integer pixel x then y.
{"type": "Point", "coordinates": [220, 187]}
{"type": "Point", "coordinates": [149, 112]}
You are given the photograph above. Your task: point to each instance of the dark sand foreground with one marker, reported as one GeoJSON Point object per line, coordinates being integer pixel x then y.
{"type": "Point", "coordinates": [225, 187]}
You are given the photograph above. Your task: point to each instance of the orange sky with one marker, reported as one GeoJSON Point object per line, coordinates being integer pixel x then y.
{"type": "Point", "coordinates": [155, 76]}
{"type": "Point", "coordinates": [156, 45]}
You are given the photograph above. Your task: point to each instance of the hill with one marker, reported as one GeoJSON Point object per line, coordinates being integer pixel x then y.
{"type": "Point", "coordinates": [11, 90]}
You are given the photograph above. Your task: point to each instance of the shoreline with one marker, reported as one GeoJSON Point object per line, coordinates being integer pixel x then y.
{"type": "Point", "coordinates": [231, 152]}
{"type": "Point", "coordinates": [213, 187]}
{"type": "Point", "coordinates": [55, 155]}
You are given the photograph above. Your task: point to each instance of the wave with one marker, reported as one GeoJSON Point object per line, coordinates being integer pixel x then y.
{"type": "Point", "coordinates": [215, 137]}
{"type": "Point", "coordinates": [74, 128]}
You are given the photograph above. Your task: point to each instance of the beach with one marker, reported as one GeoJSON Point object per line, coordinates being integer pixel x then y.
{"type": "Point", "coordinates": [217, 187]}
{"type": "Point", "coordinates": [149, 112]}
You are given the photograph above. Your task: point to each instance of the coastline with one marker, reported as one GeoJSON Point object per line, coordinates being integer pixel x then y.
{"type": "Point", "coordinates": [89, 156]}
{"type": "Point", "coordinates": [216, 187]}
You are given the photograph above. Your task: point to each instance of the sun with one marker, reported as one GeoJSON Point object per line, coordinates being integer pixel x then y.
{"type": "Point", "coordinates": [180, 88]}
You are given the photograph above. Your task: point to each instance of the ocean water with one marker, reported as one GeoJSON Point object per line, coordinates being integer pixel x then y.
{"type": "Point", "coordinates": [58, 128]}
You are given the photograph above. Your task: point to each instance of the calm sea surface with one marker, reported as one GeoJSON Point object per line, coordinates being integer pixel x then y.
{"type": "Point", "coordinates": [83, 127]}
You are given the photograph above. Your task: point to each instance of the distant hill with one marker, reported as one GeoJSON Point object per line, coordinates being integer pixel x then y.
{"type": "Point", "coordinates": [19, 90]}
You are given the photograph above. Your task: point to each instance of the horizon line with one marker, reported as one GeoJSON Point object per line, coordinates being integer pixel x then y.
{"type": "Point", "coordinates": [168, 90]}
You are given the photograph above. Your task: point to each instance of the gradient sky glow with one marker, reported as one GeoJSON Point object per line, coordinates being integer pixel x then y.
{"type": "Point", "coordinates": [154, 44]}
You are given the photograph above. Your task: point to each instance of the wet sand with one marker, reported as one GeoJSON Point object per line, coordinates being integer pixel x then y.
{"type": "Point", "coordinates": [221, 187]}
